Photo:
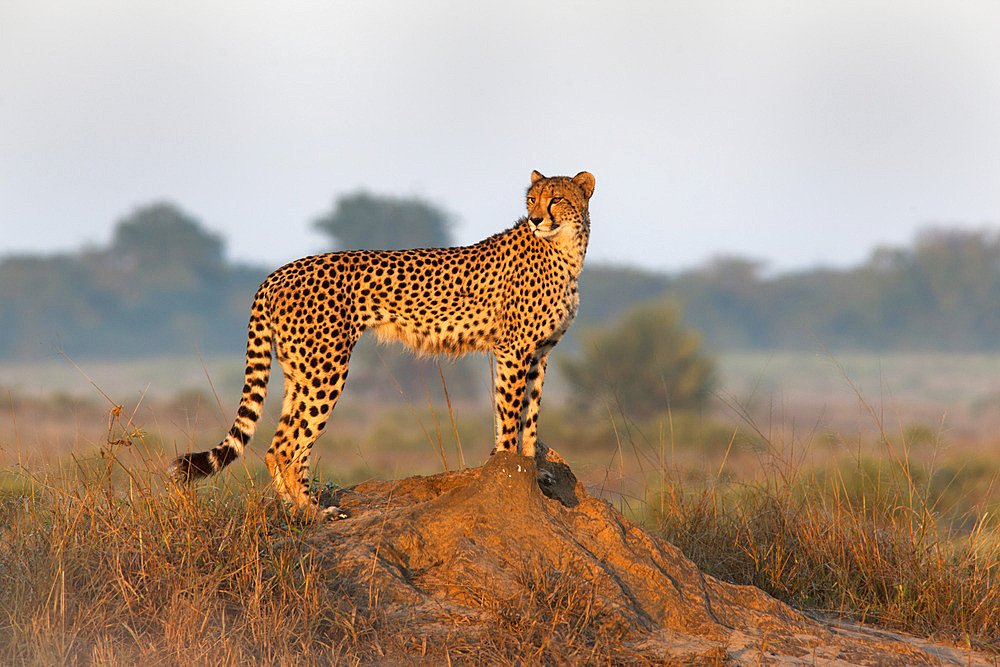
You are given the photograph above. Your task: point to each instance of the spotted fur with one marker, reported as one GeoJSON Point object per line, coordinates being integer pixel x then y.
{"type": "Point", "coordinates": [512, 294]}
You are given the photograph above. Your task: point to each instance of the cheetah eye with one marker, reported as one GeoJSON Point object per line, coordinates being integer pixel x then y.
{"type": "Point", "coordinates": [531, 200]}
{"type": "Point", "coordinates": [556, 200]}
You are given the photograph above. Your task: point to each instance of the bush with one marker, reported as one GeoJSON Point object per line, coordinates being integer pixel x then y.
{"type": "Point", "coordinates": [647, 362]}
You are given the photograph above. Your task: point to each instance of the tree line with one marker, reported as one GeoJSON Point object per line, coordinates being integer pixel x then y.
{"type": "Point", "coordinates": [162, 286]}
{"type": "Point", "coordinates": [941, 293]}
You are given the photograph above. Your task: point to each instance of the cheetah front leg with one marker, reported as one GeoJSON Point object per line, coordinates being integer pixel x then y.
{"type": "Point", "coordinates": [533, 401]}
{"type": "Point", "coordinates": [509, 396]}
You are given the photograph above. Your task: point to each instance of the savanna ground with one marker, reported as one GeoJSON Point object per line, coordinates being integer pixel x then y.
{"type": "Point", "coordinates": [851, 486]}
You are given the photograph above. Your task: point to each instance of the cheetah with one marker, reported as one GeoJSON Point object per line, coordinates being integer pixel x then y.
{"type": "Point", "coordinates": [513, 294]}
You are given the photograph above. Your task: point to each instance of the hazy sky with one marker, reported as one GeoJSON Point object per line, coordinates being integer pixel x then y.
{"type": "Point", "coordinates": [796, 132]}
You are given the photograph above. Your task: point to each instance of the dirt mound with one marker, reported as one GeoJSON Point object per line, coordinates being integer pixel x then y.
{"type": "Point", "coordinates": [484, 551]}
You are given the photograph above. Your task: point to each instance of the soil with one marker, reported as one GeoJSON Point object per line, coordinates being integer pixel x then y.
{"type": "Point", "coordinates": [491, 549]}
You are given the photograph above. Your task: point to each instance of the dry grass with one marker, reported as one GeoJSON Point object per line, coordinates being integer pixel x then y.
{"type": "Point", "coordinates": [98, 569]}
{"type": "Point", "coordinates": [884, 563]}
{"type": "Point", "coordinates": [103, 562]}
{"type": "Point", "coordinates": [553, 619]}
{"type": "Point", "coordinates": [897, 540]}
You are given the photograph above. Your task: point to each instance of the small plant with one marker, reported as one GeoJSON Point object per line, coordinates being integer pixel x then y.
{"type": "Point", "coordinates": [648, 362]}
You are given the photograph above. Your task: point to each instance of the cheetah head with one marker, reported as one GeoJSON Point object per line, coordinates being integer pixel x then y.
{"type": "Point", "coordinates": [558, 206]}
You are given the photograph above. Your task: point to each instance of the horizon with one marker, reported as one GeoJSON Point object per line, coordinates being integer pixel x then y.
{"type": "Point", "coordinates": [763, 269]}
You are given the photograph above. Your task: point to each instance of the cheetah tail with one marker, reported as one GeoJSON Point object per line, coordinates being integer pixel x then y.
{"type": "Point", "coordinates": [192, 467]}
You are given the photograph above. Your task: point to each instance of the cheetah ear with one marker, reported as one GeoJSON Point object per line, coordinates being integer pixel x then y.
{"type": "Point", "coordinates": [536, 176]}
{"type": "Point", "coordinates": [586, 181]}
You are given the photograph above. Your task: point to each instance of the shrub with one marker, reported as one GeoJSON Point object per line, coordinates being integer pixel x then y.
{"type": "Point", "coordinates": [647, 362]}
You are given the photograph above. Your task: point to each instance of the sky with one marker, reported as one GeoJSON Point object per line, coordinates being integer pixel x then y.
{"type": "Point", "coordinates": [798, 133]}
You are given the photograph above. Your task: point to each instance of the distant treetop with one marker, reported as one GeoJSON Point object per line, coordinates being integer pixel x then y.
{"type": "Point", "coordinates": [161, 234]}
{"type": "Point", "coordinates": [363, 221]}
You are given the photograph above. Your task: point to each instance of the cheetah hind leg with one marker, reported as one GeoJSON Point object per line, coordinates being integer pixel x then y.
{"type": "Point", "coordinates": [304, 413]}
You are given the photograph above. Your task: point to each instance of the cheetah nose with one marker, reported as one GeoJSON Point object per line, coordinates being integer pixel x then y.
{"type": "Point", "coordinates": [535, 221]}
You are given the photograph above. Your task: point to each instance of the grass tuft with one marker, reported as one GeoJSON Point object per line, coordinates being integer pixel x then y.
{"type": "Point", "coordinates": [97, 569]}
{"type": "Point", "coordinates": [553, 617]}
{"type": "Point", "coordinates": [865, 545]}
